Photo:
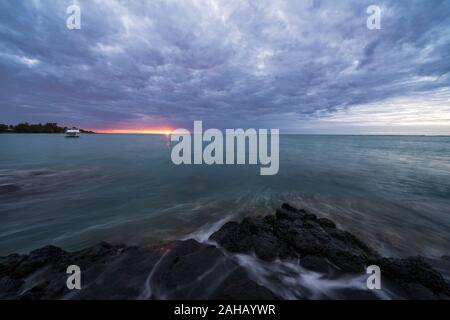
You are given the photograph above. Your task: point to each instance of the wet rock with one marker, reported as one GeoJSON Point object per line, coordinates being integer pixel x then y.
{"type": "Point", "coordinates": [191, 270]}
{"type": "Point", "coordinates": [288, 207]}
{"type": "Point", "coordinates": [179, 270]}
{"type": "Point", "coordinates": [413, 273]}
{"type": "Point", "coordinates": [38, 259]}
{"type": "Point", "coordinates": [253, 235]}
{"type": "Point", "coordinates": [288, 215]}
{"type": "Point", "coordinates": [8, 284]}
{"type": "Point", "coordinates": [238, 286]}
{"type": "Point", "coordinates": [320, 246]}
{"type": "Point", "coordinates": [293, 233]}
{"type": "Point", "coordinates": [195, 271]}
{"type": "Point", "coordinates": [303, 241]}
{"type": "Point", "coordinates": [326, 223]}
{"type": "Point", "coordinates": [37, 292]}
{"type": "Point", "coordinates": [315, 263]}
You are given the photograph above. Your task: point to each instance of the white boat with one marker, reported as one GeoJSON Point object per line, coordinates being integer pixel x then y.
{"type": "Point", "coordinates": [72, 133]}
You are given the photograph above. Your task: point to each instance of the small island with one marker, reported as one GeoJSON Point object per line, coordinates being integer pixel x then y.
{"type": "Point", "coordinates": [36, 128]}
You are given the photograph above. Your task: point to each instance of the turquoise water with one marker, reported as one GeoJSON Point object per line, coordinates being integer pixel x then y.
{"type": "Point", "coordinates": [394, 192]}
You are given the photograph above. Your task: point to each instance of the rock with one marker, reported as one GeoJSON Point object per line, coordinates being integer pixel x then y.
{"type": "Point", "coordinates": [347, 261]}
{"type": "Point", "coordinates": [8, 284]}
{"type": "Point", "coordinates": [412, 273]}
{"type": "Point", "coordinates": [192, 270]}
{"type": "Point", "coordinates": [179, 270]}
{"type": "Point", "coordinates": [253, 235]}
{"type": "Point", "coordinates": [237, 286]}
{"type": "Point", "coordinates": [288, 207]}
{"type": "Point", "coordinates": [288, 215]}
{"type": "Point", "coordinates": [315, 263]}
{"type": "Point", "coordinates": [19, 267]}
{"type": "Point", "coordinates": [196, 271]}
{"type": "Point", "coordinates": [327, 223]}
{"type": "Point", "coordinates": [320, 246]}
{"type": "Point", "coordinates": [294, 233]}
{"type": "Point", "coordinates": [303, 241]}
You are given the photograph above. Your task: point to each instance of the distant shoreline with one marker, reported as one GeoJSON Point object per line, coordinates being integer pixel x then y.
{"type": "Point", "coordinates": [50, 127]}
{"type": "Point", "coordinates": [14, 132]}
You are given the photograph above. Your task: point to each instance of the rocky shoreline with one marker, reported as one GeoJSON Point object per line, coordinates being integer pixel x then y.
{"type": "Point", "coordinates": [312, 248]}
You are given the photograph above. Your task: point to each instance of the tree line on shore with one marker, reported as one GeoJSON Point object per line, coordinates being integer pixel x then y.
{"type": "Point", "coordinates": [36, 128]}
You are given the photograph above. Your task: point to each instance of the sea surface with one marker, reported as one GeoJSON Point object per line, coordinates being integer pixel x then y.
{"type": "Point", "coordinates": [392, 191]}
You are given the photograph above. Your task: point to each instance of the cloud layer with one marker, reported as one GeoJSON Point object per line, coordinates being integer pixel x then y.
{"type": "Point", "coordinates": [296, 65]}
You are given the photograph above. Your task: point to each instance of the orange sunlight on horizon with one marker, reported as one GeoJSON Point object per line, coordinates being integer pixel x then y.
{"type": "Point", "coordinates": [165, 131]}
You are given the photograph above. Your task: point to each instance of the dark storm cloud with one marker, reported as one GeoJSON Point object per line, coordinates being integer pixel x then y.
{"type": "Point", "coordinates": [228, 63]}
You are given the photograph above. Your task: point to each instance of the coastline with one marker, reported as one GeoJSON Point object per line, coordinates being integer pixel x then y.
{"type": "Point", "coordinates": [292, 254]}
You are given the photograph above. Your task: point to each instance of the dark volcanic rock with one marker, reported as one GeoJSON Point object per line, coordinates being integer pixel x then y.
{"type": "Point", "coordinates": [294, 233]}
{"type": "Point", "coordinates": [238, 286]}
{"type": "Point", "coordinates": [321, 247]}
{"type": "Point", "coordinates": [315, 263]}
{"type": "Point", "coordinates": [180, 270]}
{"type": "Point", "coordinates": [192, 270]}
{"type": "Point", "coordinates": [252, 234]}
{"type": "Point", "coordinates": [414, 275]}
{"type": "Point", "coordinates": [326, 223]}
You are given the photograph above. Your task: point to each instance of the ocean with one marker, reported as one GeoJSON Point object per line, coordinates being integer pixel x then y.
{"type": "Point", "coordinates": [391, 191]}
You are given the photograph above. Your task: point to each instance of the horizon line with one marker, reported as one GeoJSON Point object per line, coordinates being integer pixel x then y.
{"type": "Point", "coordinates": [293, 133]}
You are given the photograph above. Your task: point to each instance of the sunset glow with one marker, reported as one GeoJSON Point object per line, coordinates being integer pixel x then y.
{"type": "Point", "coordinates": [165, 131]}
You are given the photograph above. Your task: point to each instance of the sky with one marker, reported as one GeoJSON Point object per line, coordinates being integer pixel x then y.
{"type": "Point", "coordinates": [303, 66]}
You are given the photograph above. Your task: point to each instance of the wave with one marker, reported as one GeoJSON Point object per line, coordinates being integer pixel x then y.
{"type": "Point", "coordinates": [290, 281]}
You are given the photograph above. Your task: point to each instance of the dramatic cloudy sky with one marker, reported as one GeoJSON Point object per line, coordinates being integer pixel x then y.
{"type": "Point", "coordinates": [308, 66]}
